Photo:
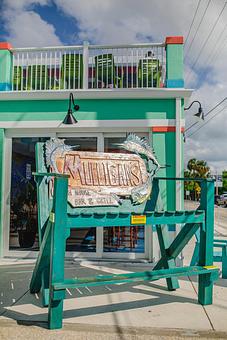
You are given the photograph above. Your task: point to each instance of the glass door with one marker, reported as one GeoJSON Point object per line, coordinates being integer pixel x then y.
{"type": "Point", "coordinates": [122, 240]}
{"type": "Point", "coordinates": [112, 242]}
{"type": "Point", "coordinates": [82, 240]}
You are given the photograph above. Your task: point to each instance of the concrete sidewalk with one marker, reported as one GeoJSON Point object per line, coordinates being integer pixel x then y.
{"type": "Point", "coordinates": [123, 311]}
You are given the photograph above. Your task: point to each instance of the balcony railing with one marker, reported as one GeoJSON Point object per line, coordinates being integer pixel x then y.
{"type": "Point", "coordinates": [88, 67]}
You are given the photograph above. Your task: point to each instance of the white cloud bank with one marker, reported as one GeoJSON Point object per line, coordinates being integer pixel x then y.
{"type": "Point", "coordinates": [25, 27]}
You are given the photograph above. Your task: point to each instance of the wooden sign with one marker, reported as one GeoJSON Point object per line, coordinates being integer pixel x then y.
{"type": "Point", "coordinates": [99, 178]}
{"type": "Point", "coordinates": [104, 179]}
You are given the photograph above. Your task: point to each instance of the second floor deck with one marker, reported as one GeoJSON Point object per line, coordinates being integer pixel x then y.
{"type": "Point", "coordinates": [90, 67]}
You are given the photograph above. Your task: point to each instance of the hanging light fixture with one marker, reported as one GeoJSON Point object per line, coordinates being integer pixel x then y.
{"type": "Point", "coordinates": [69, 118]}
{"type": "Point", "coordinates": [200, 113]}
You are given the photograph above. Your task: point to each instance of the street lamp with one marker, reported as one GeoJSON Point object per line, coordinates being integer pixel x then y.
{"type": "Point", "coordinates": [69, 118]}
{"type": "Point", "coordinates": [200, 113]}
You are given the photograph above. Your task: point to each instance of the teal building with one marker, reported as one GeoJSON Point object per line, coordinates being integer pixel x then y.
{"type": "Point", "coordinates": [120, 89]}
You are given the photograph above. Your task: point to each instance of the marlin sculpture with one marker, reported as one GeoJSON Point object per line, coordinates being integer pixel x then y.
{"type": "Point", "coordinates": [56, 148]}
{"type": "Point", "coordinates": [140, 146]}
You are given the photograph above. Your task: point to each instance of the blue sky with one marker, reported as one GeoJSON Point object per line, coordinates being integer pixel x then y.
{"type": "Point", "coordinates": [38, 23]}
{"type": "Point", "coordinates": [66, 26]}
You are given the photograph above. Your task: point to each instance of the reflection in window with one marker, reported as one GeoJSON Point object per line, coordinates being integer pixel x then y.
{"type": "Point", "coordinates": [82, 239]}
{"type": "Point", "coordinates": [122, 239]}
{"type": "Point", "coordinates": [23, 201]}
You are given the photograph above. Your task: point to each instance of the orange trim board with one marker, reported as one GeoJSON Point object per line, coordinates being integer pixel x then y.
{"type": "Point", "coordinates": [174, 40]}
{"type": "Point", "coordinates": [165, 129]}
{"type": "Point", "coordinates": [5, 46]}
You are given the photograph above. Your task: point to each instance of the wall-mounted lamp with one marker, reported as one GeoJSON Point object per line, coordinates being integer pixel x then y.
{"type": "Point", "coordinates": [200, 113]}
{"type": "Point", "coordinates": [69, 118]}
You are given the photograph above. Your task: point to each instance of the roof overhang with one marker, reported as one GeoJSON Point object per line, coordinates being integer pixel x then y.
{"type": "Point", "coordinates": [155, 93]}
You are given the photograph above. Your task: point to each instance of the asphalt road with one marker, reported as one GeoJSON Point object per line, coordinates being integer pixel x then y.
{"type": "Point", "coordinates": [220, 217]}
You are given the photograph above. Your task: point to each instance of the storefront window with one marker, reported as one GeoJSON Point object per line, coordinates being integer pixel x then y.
{"type": "Point", "coordinates": [23, 202]}
{"type": "Point", "coordinates": [121, 239]}
{"type": "Point", "coordinates": [23, 214]}
{"type": "Point", "coordinates": [84, 239]}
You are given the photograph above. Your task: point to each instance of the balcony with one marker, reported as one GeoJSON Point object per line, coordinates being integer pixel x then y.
{"type": "Point", "coordinates": [88, 67]}
{"type": "Point", "coordinates": [98, 67]}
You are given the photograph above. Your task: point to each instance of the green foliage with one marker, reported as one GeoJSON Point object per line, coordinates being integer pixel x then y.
{"type": "Point", "coordinates": [224, 180]}
{"type": "Point", "coordinates": [196, 169]}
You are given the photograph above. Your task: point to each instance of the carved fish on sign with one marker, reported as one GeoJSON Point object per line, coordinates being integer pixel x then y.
{"type": "Point", "coordinates": [140, 146]}
{"type": "Point", "coordinates": [56, 148]}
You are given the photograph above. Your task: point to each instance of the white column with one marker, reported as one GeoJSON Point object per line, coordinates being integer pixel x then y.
{"type": "Point", "coordinates": [179, 184]}
{"type": "Point", "coordinates": [99, 230]}
{"type": "Point", "coordinates": [6, 198]}
{"type": "Point", "coordinates": [178, 153]}
{"type": "Point", "coordinates": [85, 64]}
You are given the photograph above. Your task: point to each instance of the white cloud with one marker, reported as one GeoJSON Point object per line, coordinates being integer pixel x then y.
{"type": "Point", "coordinates": [22, 4]}
{"type": "Point", "coordinates": [209, 143]}
{"type": "Point", "coordinates": [25, 27]}
{"type": "Point", "coordinates": [128, 21]}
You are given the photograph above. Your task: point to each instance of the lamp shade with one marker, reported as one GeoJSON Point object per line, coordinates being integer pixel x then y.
{"type": "Point", "coordinates": [69, 118]}
{"type": "Point", "coordinates": [200, 113]}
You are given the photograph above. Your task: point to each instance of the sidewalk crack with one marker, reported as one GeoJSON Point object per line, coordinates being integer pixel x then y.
{"type": "Point", "coordinates": [203, 307]}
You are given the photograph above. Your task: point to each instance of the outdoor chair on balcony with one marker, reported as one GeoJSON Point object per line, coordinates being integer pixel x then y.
{"type": "Point", "coordinates": [17, 78]}
{"type": "Point", "coordinates": [219, 256]}
{"type": "Point", "coordinates": [106, 72]}
{"type": "Point", "coordinates": [149, 72]}
{"type": "Point", "coordinates": [37, 77]}
{"type": "Point", "coordinates": [72, 71]}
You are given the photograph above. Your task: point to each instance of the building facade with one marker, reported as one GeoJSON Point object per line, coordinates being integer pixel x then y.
{"type": "Point", "coordinates": [120, 89]}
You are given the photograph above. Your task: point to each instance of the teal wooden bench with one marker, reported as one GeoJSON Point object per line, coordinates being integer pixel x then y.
{"type": "Point", "coordinates": [218, 256]}
{"type": "Point", "coordinates": [56, 218]}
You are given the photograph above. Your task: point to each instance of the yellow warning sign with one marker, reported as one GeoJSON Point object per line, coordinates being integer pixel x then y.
{"type": "Point", "coordinates": [210, 267]}
{"type": "Point", "coordinates": [138, 219]}
{"type": "Point", "coordinates": [52, 217]}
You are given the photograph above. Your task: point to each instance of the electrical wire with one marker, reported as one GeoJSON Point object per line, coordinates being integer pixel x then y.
{"type": "Point", "coordinates": [205, 42]}
{"type": "Point", "coordinates": [218, 54]}
{"type": "Point", "coordinates": [216, 47]}
{"type": "Point", "coordinates": [215, 115]}
{"type": "Point", "coordinates": [211, 110]}
{"type": "Point", "coordinates": [198, 27]}
{"type": "Point", "coordinates": [190, 28]}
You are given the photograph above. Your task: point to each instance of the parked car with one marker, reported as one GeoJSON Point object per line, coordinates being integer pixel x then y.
{"type": "Point", "coordinates": [221, 199]}
{"type": "Point", "coordinates": [217, 199]}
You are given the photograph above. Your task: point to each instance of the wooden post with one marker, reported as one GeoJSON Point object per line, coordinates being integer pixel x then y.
{"type": "Point", "coordinates": [168, 263]}
{"type": "Point", "coordinates": [206, 242]}
{"type": "Point", "coordinates": [43, 215]}
{"type": "Point", "coordinates": [58, 245]}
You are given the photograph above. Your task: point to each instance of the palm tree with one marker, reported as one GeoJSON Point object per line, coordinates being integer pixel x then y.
{"type": "Point", "coordinates": [196, 169]}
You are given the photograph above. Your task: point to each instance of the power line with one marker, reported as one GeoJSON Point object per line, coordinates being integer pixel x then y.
{"type": "Point", "coordinates": [212, 109]}
{"type": "Point", "coordinates": [198, 27]}
{"type": "Point", "coordinates": [192, 21]}
{"type": "Point", "coordinates": [210, 33]}
{"type": "Point", "coordinates": [214, 53]}
{"type": "Point", "coordinates": [215, 115]}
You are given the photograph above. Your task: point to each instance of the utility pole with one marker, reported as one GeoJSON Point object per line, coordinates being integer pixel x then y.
{"type": "Point", "coordinates": [216, 183]}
